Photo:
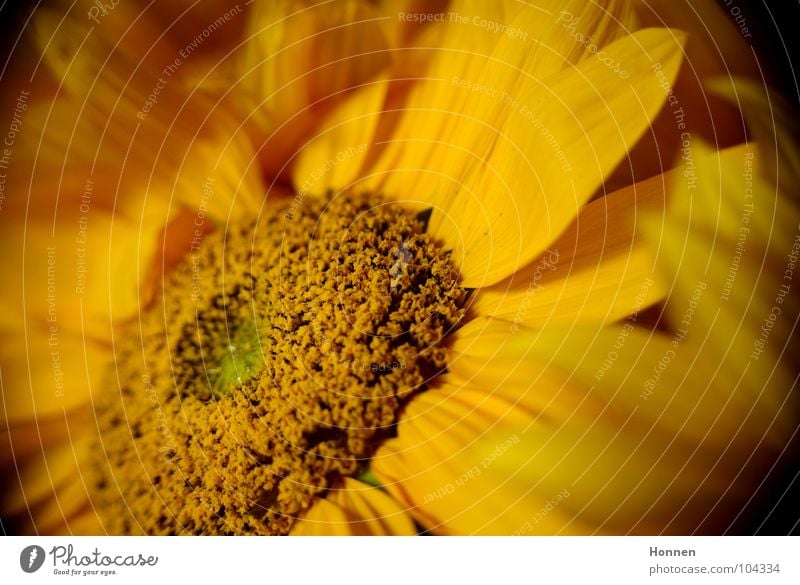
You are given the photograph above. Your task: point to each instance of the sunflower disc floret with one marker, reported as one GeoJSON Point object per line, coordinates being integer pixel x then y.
{"type": "Point", "coordinates": [280, 356]}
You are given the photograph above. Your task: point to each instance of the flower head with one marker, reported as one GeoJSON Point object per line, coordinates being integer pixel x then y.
{"type": "Point", "coordinates": [360, 269]}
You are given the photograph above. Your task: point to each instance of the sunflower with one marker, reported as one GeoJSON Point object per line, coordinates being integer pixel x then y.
{"type": "Point", "coordinates": [376, 269]}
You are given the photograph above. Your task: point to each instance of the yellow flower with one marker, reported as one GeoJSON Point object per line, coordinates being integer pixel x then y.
{"type": "Point", "coordinates": [365, 273]}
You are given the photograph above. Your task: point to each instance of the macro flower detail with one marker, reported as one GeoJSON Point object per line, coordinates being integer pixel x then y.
{"type": "Point", "coordinates": [357, 268]}
{"type": "Point", "coordinates": [288, 379]}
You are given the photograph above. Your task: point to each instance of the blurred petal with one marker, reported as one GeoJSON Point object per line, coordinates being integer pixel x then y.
{"type": "Point", "coordinates": [728, 242]}
{"type": "Point", "coordinates": [47, 374]}
{"type": "Point", "coordinates": [300, 58]}
{"type": "Point", "coordinates": [147, 126]}
{"type": "Point", "coordinates": [50, 491]}
{"type": "Point", "coordinates": [633, 446]}
{"type": "Point", "coordinates": [714, 47]}
{"type": "Point", "coordinates": [771, 123]}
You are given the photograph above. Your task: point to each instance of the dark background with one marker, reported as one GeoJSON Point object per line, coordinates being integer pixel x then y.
{"type": "Point", "coordinates": [773, 25]}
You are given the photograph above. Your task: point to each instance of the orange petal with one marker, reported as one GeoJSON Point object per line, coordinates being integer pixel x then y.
{"type": "Point", "coordinates": [47, 374]}
{"type": "Point", "coordinates": [355, 509]}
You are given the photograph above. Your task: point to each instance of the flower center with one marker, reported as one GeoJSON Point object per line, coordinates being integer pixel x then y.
{"type": "Point", "coordinates": [278, 359]}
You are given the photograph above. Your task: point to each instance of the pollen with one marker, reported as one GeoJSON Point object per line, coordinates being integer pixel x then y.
{"type": "Point", "coordinates": [277, 359]}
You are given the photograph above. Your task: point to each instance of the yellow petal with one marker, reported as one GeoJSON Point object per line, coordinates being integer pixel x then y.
{"type": "Point", "coordinates": [642, 436]}
{"type": "Point", "coordinates": [367, 119]}
{"type": "Point", "coordinates": [422, 144]}
{"type": "Point", "coordinates": [50, 493]}
{"type": "Point", "coordinates": [47, 374]}
{"type": "Point", "coordinates": [443, 470]}
{"type": "Point", "coordinates": [28, 437]}
{"type": "Point", "coordinates": [162, 138]}
{"type": "Point", "coordinates": [715, 47]}
{"type": "Point", "coordinates": [597, 271]}
{"type": "Point", "coordinates": [713, 36]}
{"type": "Point", "coordinates": [451, 119]}
{"type": "Point", "coordinates": [605, 371]}
{"type": "Point", "coordinates": [43, 475]}
{"type": "Point", "coordinates": [771, 123]}
{"type": "Point", "coordinates": [554, 152]}
{"type": "Point", "coordinates": [114, 232]}
{"type": "Point", "coordinates": [67, 503]}
{"type": "Point", "coordinates": [298, 60]}
{"type": "Point", "coordinates": [355, 509]}
{"type": "Point", "coordinates": [730, 243]}
{"type": "Point", "coordinates": [79, 275]}
{"type": "Point", "coordinates": [399, 23]}
{"type": "Point", "coordinates": [337, 152]}
{"type": "Point", "coordinates": [64, 160]}
{"type": "Point", "coordinates": [113, 90]}
{"type": "Point", "coordinates": [58, 133]}
{"type": "Point", "coordinates": [183, 23]}
{"type": "Point", "coordinates": [619, 481]}
{"type": "Point", "coordinates": [155, 34]}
